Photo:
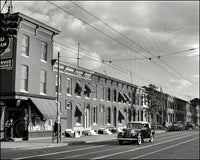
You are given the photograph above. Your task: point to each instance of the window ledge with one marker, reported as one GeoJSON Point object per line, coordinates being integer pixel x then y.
{"type": "Point", "coordinates": [78, 96]}
{"type": "Point", "coordinates": [23, 91]}
{"type": "Point", "coordinates": [23, 55]}
{"type": "Point", "coordinates": [68, 94]}
{"type": "Point", "coordinates": [43, 93]}
{"type": "Point", "coordinates": [44, 61]}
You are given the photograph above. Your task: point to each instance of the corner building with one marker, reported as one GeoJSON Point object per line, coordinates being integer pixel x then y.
{"type": "Point", "coordinates": [27, 95]}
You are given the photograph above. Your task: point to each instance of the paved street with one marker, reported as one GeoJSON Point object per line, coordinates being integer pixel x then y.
{"type": "Point", "coordinates": [169, 145]}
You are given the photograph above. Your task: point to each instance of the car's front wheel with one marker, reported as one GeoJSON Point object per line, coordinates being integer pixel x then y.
{"type": "Point", "coordinates": [139, 140]}
{"type": "Point", "coordinates": [121, 142]}
{"type": "Point", "coordinates": [151, 138]}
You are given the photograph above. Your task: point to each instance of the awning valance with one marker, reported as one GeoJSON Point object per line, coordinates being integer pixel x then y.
{"type": "Point", "coordinates": [127, 97]}
{"type": "Point", "coordinates": [46, 107]}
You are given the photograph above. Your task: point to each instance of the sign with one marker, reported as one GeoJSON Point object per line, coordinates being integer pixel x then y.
{"type": "Point", "coordinates": [6, 64]}
{"type": "Point", "coordinates": [4, 42]}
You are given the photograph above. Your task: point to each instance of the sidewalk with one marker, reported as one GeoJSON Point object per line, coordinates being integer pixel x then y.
{"type": "Point", "coordinates": [46, 142]}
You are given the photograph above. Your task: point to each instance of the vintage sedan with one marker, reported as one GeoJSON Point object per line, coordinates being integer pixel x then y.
{"type": "Point", "coordinates": [136, 131]}
{"type": "Point", "coordinates": [177, 126]}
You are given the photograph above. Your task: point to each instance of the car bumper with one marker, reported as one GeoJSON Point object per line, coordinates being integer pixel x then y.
{"type": "Point", "coordinates": [127, 139]}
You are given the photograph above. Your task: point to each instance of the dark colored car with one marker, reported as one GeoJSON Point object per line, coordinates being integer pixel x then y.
{"type": "Point", "coordinates": [190, 125]}
{"type": "Point", "coordinates": [136, 131]}
{"type": "Point", "coordinates": [177, 126]}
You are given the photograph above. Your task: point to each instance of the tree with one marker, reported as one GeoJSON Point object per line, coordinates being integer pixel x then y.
{"type": "Point", "coordinates": [155, 101]}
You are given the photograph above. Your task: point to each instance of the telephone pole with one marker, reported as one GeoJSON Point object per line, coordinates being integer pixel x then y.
{"type": "Point", "coordinates": [58, 101]}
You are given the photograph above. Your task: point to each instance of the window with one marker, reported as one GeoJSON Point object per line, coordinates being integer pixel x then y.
{"type": "Point", "coordinates": [94, 115]}
{"type": "Point", "coordinates": [95, 91]}
{"type": "Point", "coordinates": [69, 86]}
{"type": "Point", "coordinates": [102, 92]}
{"type": "Point", "coordinates": [78, 89]}
{"type": "Point", "coordinates": [60, 80]}
{"type": "Point", "coordinates": [120, 117]}
{"type": "Point", "coordinates": [114, 95]}
{"type": "Point", "coordinates": [87, 91]}
{"type": "Point", "coordinates": [108, 94]}
{"type": "Point", "coordinates": [108, 115]}
{"type": "Point", "coordinates": [44, 51]}
{"type": "Point", "coordinates": [24, 78]}
{"type": "Point", "coordinates": [25, 45]}
{"type": "Point", "coordinates": [43, 81]}
{"type": "Point", "coordinates": [77, 116]}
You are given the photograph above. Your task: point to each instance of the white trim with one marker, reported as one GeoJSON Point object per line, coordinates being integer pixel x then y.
{"type": "Point", "coordinates": [42, 60]}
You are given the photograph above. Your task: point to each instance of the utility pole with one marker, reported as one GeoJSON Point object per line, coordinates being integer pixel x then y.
{"type": "Point", "coordinates": [78, 55]}
{"type": "Point", "coordinates": [58, 101]}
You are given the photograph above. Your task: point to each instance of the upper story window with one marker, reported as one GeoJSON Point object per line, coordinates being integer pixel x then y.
{"type": "Point", "coordinates": [60, 80]}
{"type": "Point", "coordinates": [87, 91]}
{"type": "Point", "coordinates": [24, 78]}
{"type": "Point", "coordinates": [101, 92]}
{"type": "Point", "coordinates": [69, 86]}
{"type": "Point", "coordinates": [115, 95]}
{"type": "Point", "coordinates": [95, 91]}
{"type": "Point", "coordinates": [43, 81]}
{"type": "Point", "coordinates": [108, 94]}
{"type": "Point", "coordinates": [44, 51]}
{"type": "Point", "coordinates": [78, 89]}
{"type": "Point", "coordinates": [25, 46]}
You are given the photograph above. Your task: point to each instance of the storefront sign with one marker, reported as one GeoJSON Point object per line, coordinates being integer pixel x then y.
{"type": "Point", "coordinates": [4, 42]}
{"type": "Point", "coordinates": [6, 64]}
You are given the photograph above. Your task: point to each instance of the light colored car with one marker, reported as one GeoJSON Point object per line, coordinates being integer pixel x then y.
{"type": "Point", "coordinates": [136, 132]}
{"type": "Point", "coordinates": [177, 126]}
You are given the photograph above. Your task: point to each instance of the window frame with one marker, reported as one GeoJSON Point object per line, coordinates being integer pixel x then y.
{"type": "Point", "coordinates": [25, 80]}
{"type": "Point", "coordinates": [44, 54]}
{"type": "Point", "coordinates": [26, 46]}
{"type": "Point", "coordinates": [44, 83]}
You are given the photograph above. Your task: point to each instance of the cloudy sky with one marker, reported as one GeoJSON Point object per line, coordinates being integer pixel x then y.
{"type": "Point", "coordinates": [118, 38]}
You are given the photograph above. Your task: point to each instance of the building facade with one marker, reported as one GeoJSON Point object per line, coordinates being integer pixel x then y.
{"type": "Point", "coordinates": [27, 96]}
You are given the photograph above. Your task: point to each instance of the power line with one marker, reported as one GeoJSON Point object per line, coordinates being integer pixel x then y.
{"type": "Point", "coordinates": [112, 37]}
{"type": "Point", "coordinates": [154, 57]}
{"type": "Point", "coordinates": [137, 44]}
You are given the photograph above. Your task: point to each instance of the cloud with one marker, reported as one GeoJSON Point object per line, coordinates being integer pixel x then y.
{"type": "Point", "coordinates": [178, 84]}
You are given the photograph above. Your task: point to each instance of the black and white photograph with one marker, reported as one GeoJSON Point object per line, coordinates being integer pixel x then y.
{"type": "Point", "coordinates": [99, 79]}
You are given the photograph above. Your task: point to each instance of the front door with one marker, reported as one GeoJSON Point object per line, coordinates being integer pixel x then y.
{"type": "Point", "coordinates": [18, 123]}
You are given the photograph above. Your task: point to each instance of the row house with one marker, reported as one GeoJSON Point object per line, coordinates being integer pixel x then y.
{"type": "Point", "coordinates": [91, 100]}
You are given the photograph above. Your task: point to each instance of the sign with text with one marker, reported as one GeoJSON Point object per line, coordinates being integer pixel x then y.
{"type": "Point", "coordinates": [6, 47]}
{"type": "Point", "coordinates": [6, 64]}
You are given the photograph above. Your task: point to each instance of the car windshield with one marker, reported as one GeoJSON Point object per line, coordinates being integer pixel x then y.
{"type": "Point", "coordinates": [134, 125]}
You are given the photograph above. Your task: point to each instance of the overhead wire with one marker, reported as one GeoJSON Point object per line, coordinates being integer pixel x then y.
{"type": "Point", "coordinates": [139, 45]}
{"type": "Point", "coordinates": [112, 37]}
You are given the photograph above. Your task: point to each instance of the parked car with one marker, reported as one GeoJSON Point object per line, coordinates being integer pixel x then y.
{"type": "Point", "coordinates": [177, 126]}
{"type": "Point", "coordinates": [136, 131]}
{"type": "Point", "coordinates": [190, 125]}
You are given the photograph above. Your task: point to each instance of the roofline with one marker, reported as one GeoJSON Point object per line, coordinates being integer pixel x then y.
{"type": "Point", "coordinates": [36, 22]}
{"type": "Point", "coordinates": [100, 74]}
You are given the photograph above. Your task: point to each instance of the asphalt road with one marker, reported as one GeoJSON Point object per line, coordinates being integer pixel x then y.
{"type": "Point", "coordinates": [169, 145]}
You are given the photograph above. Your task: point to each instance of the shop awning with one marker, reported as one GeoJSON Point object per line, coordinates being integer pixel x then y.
{"type": "Point", "coordinates": [80, 109]}
{"type": "Point", "coordinates": [127, 97]}
{"type": "Point", "coordinates": [121, 115]}
{"type": "Point", "coordinates": [47, 108]}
